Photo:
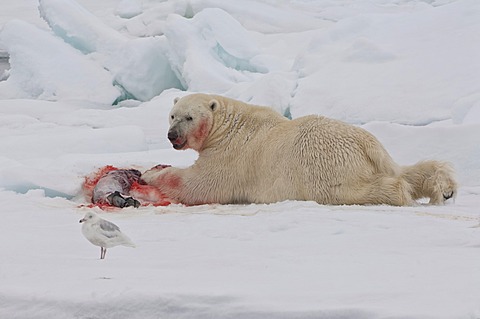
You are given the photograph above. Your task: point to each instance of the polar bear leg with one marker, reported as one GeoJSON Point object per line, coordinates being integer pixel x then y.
{"type": "Point", "coordinates": [389, 190]}
{"type": "Point", "coordinates": [431, 179]}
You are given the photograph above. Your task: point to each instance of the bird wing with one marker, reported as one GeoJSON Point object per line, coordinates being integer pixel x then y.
{"type": "Point", "coordinates": [108, 229]}
{"type": "Point", "coordinates": [108, 235]}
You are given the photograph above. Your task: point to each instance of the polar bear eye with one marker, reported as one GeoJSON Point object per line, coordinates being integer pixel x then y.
{"type": "Point", "coordinates": [189, 118]}
{"type": "Point", "coordinates": [172, 117]}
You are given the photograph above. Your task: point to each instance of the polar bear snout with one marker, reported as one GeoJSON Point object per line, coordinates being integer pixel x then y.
{"type": "Point", "coordinates": [178, 142]}
{"type": "Point", "coordinates": [172, 135]}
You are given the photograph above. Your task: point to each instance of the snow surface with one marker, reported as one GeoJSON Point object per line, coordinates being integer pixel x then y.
{"type": "Point", "coordinates": [91, 84]}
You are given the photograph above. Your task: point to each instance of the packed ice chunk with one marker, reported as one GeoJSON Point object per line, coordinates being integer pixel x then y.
{"type": "Point", "coordinates": [128, 9]}
{"type": "Point", "coordinates": [4, 66]}
{"type": "Point", "coordinates": [267, 16]}
{"type": "Point", "coordinates": [211, 51]}
{"type": "Point", "coordinates": [142, 69]}
{"type": "Point", "coordinates": [78, 27]}
{"type": "Point", "coordinates": [273, 89]}
{"type": "Point", "coordinates": [372, 62]}
{"type": "Point", "coordinates": [139, 66]}
{"type": "Point", "coordinates": [45, 67]}
{"type": "Point", "coordinates": [467, 109]}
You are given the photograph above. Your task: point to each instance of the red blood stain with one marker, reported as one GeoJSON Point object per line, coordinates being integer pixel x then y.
{"type": "Point", "coordinates": [146, 194]}
{"type": "Point", "coordinates": [201, 133]}
{"type": "Point", "coordinates": [171, 181]}
{"type": "Point", "coordinates": [92, 180]}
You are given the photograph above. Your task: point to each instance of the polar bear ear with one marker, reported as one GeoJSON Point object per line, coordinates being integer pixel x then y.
{"type": "Point", "coordinates": [213, 104]}
{"type": "Point", "coordinates": [175, 100]}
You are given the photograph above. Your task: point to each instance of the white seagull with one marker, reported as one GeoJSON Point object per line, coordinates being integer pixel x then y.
{"type": "Point", "coordinates": [103, 233]}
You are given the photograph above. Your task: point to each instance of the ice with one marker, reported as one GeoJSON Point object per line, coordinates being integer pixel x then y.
{"type": "Point", "coordinates": [44, 67]}
{"type": "Point", "coordinates": [78, 27]}
{"type": "Point", "coordinates": [268, 18]}
{"type": "Point", "coordinates": [128, 9]}
{"type": "Point", "coordinates": [211, 51]}
{"type": "Point", "coordinates": [142, 68]}
{"type": "Point", "coordinates": [407, 71]}
{"type": "Point", "coordinates": [374, 62]}
{"type": "Point", "coordinates": [138, 66]}
{"type": "Point", "coordinates": [22, 171]}
{"type": "Point", "coordinates": [466, 109]}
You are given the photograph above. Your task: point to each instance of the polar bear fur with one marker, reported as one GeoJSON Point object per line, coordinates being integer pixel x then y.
{"type": "Point", "coordinates": [252, 154]}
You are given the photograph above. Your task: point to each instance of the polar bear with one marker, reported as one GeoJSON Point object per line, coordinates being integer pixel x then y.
{"type": "Point", "coordinates": [253, 154]}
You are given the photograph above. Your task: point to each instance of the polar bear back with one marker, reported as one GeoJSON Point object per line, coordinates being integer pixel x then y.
{"type": "Point", "coordinates": [308, 157]}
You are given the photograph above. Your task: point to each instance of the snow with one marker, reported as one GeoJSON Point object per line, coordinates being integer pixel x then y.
{"type": "Point", "coordinates": [128, 9]}
{"type": "Point", "coordinates": [91, 84]}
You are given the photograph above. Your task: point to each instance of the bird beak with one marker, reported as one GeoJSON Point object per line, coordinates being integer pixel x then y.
{"type": "Point", "coordinates": [81, 220]}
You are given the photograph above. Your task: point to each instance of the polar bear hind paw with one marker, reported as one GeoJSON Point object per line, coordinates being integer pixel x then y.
{"type": "Point", "coordinates": [448, 195]}
{"type": "Point", "coordinates": [444, 188]}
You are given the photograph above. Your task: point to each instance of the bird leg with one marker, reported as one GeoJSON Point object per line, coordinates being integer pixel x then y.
{"type": "Point", "coordinates": [103, 251]}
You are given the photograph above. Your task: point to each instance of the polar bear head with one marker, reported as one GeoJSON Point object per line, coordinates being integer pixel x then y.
{"type": "Point", "coordinates": [191, 120]}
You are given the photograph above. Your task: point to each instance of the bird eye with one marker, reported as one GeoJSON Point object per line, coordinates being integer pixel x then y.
{"type": "Point", "coordinates": [90, 217]}
{"type": "Point", "coordinates": [189, 118]}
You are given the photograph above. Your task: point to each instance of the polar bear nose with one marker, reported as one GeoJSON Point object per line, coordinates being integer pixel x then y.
{"type": "Point", "coordinates": [172, 135]}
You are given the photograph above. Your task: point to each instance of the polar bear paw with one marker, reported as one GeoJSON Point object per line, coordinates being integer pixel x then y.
{"type": "Point", "coordinates": [443, 185]}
